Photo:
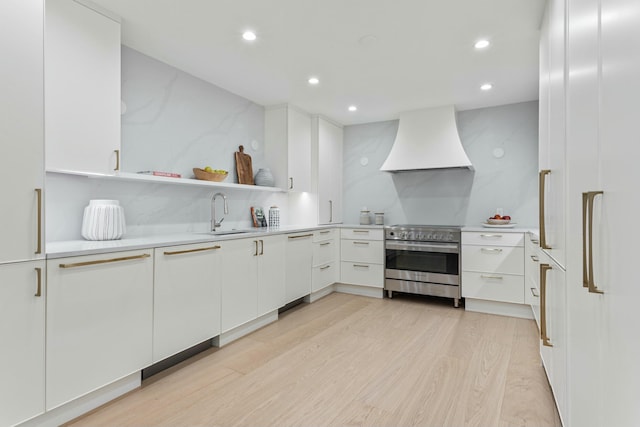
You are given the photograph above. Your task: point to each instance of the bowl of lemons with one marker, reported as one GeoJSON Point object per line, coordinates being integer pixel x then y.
{"type": "Point", "coordinates": [209, 174]}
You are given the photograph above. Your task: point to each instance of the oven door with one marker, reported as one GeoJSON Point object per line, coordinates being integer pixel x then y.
{"type": "Point", "coordinates": [424, 262]}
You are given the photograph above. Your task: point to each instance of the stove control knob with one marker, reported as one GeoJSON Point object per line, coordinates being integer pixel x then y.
{"type": "Point", "coordinates": [403, 235]}
{"type": "Point", "coordinates": [430, 236]}
{"type": "Point", "coordinates": [419, 236]}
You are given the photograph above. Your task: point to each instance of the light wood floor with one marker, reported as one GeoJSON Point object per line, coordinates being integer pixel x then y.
{"type": "Point", "coordinates": [351, 361]}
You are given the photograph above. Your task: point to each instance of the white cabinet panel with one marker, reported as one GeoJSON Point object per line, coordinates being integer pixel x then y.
{"type": "Point", "coordinates": [355, 273]}
{"type": "Point", "coordinates": [299, 265]}
{"type": "Point", "coordinates": [99, 321]}
{"type": "Point", "coordinates": [362, 233]}
{"type": "Point", "coordinates": [271, 274]}
{"type": "Point", "coordinates": [493, 286]}
{"type": "Point", "coordinates": [22, 337]}
{"type": "Point", "coordinates": [324, 275]}
{"type": "Point", "coordinates": [492, 238]}
{"type": "Point", "coordinates": [507, 260]}
{"type": "Point", "coordinates": [324, 252]}
{"type": "Point", "coordinates": [186, 299]}
{"type": "Point", "coordinates": [82, 88]}
{"type": "Point", "coordinates": [322, 235]}
{"type": "Point", "coordinates": [328, 141]}
{"type": "Point", "coordinates": [21, 128]}
{"type": "Point", "coordinates": [239, 277]}
{"type": "Point", "coordinates": [362, 251]}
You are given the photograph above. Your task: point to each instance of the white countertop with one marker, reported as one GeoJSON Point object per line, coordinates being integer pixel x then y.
{"type": "Point", "coordinates": [514, 229]}
{"type": "Point", "coordinates": [87, 247]}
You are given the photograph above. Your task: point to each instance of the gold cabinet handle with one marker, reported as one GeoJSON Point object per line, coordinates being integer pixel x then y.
{"type": "Point", "coordinates": [117, 168]}
{"type": "Point", "coordinates": [188, 251]}
{"type": "Point", "coordinates": [491, 236]}
{"type": "Point", "coordinates": [330, 211]}
{"type": "Point", "coordinates": [291, 183]}
{"type": "Point", "coordinates": [325, 267]}
{"type": "Point", "coordinates": [39, 226]}
{"type": "Point", "coordinates": [534, 258]}
{"type": "Point", "coordinates": [543, 232]}
{"type": "Point", "coordinates": [325, 232]}
{"type": "Point", "coordinates": [256, 251]}
{"type": "Point", "coordinates": [361, 243]}
{"type": "Point", "coordinates": [104, 261]}
{"type": "Point", "coordinates": [360, 265]}
{"type": "Point", "coordinates": [300, 236]}
{"type": "Point", "coordinates": [543, 305]}
{"type": "Point", "coordinates": [591, 195]}
{"type": "Point", "coordinates": [534, 292]}
{"type": "Point", "coordinates": [39, 280]}
{"type": "Point", "coordinates": [325, 243]}
{"type": "Point", "coordinates": [361, 231]}
{"type": "Point", "coordinates": [487, 276]}
{"type": "Point", "coordinates": [491, 250]}
{"type": "Point", "coordinates": [261, 247]}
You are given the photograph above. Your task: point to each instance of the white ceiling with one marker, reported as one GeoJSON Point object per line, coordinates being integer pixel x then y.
{"type": "Point", "coordinates": [385, 56]}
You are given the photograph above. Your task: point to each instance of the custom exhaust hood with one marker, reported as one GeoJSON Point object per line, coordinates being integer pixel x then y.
{"type": "Point", "coordinates": [427, 139]}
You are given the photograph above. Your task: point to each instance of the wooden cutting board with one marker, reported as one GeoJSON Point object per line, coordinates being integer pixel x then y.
{"type": "Point", "coordinates": [243, 167]}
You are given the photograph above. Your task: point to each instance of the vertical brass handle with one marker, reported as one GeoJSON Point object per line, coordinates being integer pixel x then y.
{"type": "Point", "coordinates": [117, 168]}
{"type": "Point", "coordinates": [543, 305]}
{"type": "Point", "coordinates": [290, 183]}
{"type": "Point", "coordinates": [39, 244]}
{"type": "Point", "coordinates": [261, 247]}
{"type": "Point", "coordinates": [39, 288]}
{"type": "Point", "coordinates": [585, 273]}
{"type": "Point", "coordinates": [543, 232]}
{"type": "Point", "coordinates": [256, 252]}
{"type": "Point", "coordinates": [591, 283]}
{"type": "Point", "coordinates": [330, 211]}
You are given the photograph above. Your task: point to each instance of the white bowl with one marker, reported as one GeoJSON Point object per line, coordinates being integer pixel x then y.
{"type": "Point", "coordinates": [493, 221]}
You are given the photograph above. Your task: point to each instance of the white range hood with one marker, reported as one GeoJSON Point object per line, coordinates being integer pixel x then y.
{"type": "Point", "coordinates": [427, 139]}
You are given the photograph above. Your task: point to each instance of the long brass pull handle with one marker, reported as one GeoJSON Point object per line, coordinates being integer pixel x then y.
{"type": "Point", "coordinates": [534, 292]}
{"type": "Point", "coordinates": [261, 247]}
{"type": "Point", "coordinates": [485, 276]}
{"type": "Point", "coordinates": [585, 273]}
{"type": "Point", "coordinates": [543, 231]}
{"type": "Point", "coordinates": [361, 243]}
{"type": "Point", "coordinates": [188, 251]}
{"type": "Point", "coordinates": [117, 168]}
{"type": "Point", "coordinates": [591, 283]}
{"type": "Point", "coordinates": [291, 183]}
{"type": "Point", "coordinates": [491, 250]}
{"type": "Point", "coordinates": [325, 243]}
{"type": "Point", "coordinates": [39, 244]}
{"type": "Point", "coordinates": [256, 252]}
{"type": "Point", "coordinates": [360, 266]}
{"type": "Point", "coordinates": [39, 288]}
{"type": "Point", "coordinates": [325, 267]}
{"type": "Point", "coordinates": [330, 211]}
{"type": "Point", "coordinates": [104, 261]}
{"type": "Point", "coordinates": [325, 232]}
{"type": "Point", "coordinates": [543, 304]}
{"type": "Point", "coordinates": [491, 236]}
{"type": "Point", "coordinates": [361, 231]}
{"type": "Point", "coordinates": [300, 236]}
{"type": "Point", "coordinates": [535, 258]}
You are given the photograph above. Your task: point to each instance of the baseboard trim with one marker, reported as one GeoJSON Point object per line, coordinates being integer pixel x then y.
{"type": "Point", "coordinates": [315, 296]}
{"type": "Point", "coordinates": [242, 330]}
{"type": "Point", "coordinates": [365, 291]}
{"type": "Point", "coordinates": [522, 311]}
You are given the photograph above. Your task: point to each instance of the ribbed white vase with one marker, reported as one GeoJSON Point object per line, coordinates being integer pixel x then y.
{"type": "Point", "coordinates": [103, 220]}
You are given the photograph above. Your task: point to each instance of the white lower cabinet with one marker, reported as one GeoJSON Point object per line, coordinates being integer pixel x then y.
{"type": "Point", "coordinates": [532, 276]}
{"type": "Point", "coordinates": [99, 321]}
{"type": "Point", "coordinates": [326, 268]}
{"type": "Point", "coordinates": [271, 274]}
{"type": "Point", "coordinates": [186, 297]}
{"type": "Point", "coordinates": [22, 335]}
{"type": "Point", "coordinates": [299, 263]}
{"type": "Point", "coordinates": [362, 257]}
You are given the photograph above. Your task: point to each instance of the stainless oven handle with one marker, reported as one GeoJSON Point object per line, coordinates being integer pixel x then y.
{"type": "Point", "coordinates": [423, 247]}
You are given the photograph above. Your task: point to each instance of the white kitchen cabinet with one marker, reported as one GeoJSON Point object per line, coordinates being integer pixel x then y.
{"type": "Point", "coordinates": [532, 275]}
{"type": "Point", "coordinates": [326, 266]}
{"type": "Point", "coordinates": [299, 264]}
{"type": "Point", "coordinates": [22, 305]}
{"type": "Point", "coordinates": [252, 272]}
{"type": "Point", "coordinates": [327, 153]}
{"type": "Point", "coordinates": [82, 89]}
{"type": "Point", "coordinates": [362, 257]}
{"type": "Point", "coordinates": [288, 130]}
{"type": "Point", "coordinates": [493, 266]}
{"type": "Point", "coordinates": [21, 130]}
{"type": "Point", "coordinates": [553, 328]}
{"type": "Point", "coordinates": [186, 297]}
{"type": "Point", "coordinates": [99, 321]}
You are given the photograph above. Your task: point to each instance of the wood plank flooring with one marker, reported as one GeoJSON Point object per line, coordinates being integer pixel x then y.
{"type": "Point", "coordinates": [354, 361]}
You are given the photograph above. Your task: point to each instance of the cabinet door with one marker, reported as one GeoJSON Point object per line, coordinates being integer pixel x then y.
{"type": "Point", "coordinates": [82, 88]}
{"type": "Point", "coordinates": [299, 137]}
{"type": "Point", "coordinates": [299, 265]}
{"type": "Point", "coordinates": [99, 321]}
{"type": "Point", "coordinates": [186, 298]}
{"type": "Point", "coordinates": [330, 139]}
{"type": "Point", "coordinates": [271, 277]}
{"type": "Point", "coordinates": [21, 128]}
{"type": "Point", "coordinates": [22, 337]}
{"type": "Point", "coordinates": [239, 286]}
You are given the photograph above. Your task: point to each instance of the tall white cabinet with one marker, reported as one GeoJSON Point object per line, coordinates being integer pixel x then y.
{"type": "Point", "coordinates": [327, 154]}
{"type": "Point", "coordinates": [602, 89]}
{"type": "Point", "coordinates": [22, 269]}
{"type": "Point", "coordinates": [82, 89]}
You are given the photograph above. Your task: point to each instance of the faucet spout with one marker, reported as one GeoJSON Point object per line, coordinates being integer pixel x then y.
{"type": "Point", "coordinates": [215, 224]}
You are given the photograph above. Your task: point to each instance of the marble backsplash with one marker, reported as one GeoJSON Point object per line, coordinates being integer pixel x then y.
{"type": "Point", "coordinates": [449, 196]}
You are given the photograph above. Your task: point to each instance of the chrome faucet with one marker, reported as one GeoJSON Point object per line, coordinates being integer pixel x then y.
{"type": "Point", "coordinates": [215, 224]}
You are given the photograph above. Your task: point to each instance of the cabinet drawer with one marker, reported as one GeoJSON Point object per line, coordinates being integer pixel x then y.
{"type": "Point", "coordinates": [362, 233]}
{"type": "Point", "coordinates": [324, 252]}
{"type": "Point", "coordinates": [493, 286]}
{"type": "Point", "coordinates": [492, 238]}
{"type": "Point", "coordinates": [322, 235]}
{"type": "Point", "coordinates": [324, 275]}
{"type": "Point", "coordinates": [365, 251]}
{"type": "Point", "coordinates": [494, 259]}
{"type": "Point", "coordinates": [355, 273]}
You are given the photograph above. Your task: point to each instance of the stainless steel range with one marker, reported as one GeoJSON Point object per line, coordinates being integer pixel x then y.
{"type": "Point", "coordinates": [423, 259]}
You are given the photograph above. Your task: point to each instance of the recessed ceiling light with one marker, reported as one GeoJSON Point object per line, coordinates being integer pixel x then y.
{"type": "Point", "coordinates": [249, 36]}
{"type": "Point", "coordinates": [481, 44]}
{"type": "Point", "coordinates": [313, 80]}
{"type": "Point", "coordinates": [486, 86]}
{"type": "Point", "coordinates": [353, 108]}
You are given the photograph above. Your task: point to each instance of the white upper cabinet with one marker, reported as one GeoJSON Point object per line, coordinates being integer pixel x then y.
{"type": "Point", "coordinates": [21, 130]}
{"type": "Point", "coordinates": [327, 150]}
{"type": "Point", "coordinates": [82, 89]}
{"type": "Point", "coordinates": [288, 147]}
